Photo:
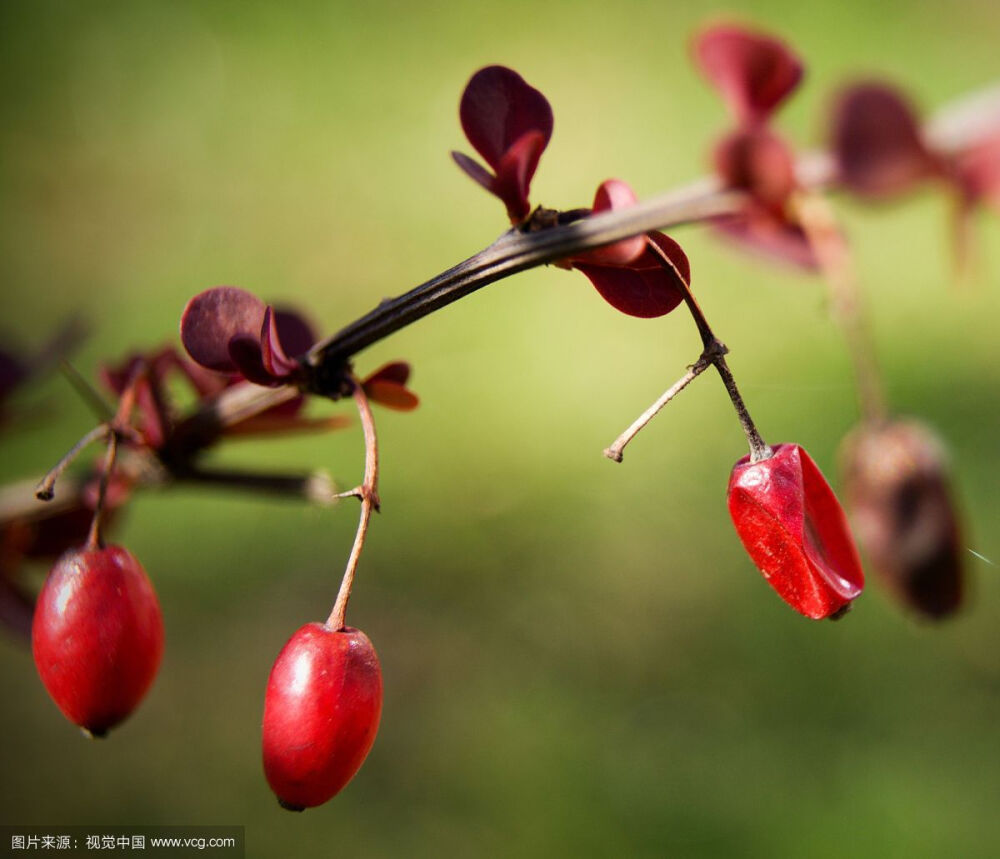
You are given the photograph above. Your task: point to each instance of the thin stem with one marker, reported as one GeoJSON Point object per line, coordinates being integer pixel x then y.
{"type": "Point", "coordinates": [45, 490]}
{"type": "Point", "coordinates": [95, 402]}
{"type": "Point", "coordinates": [818, 221]}
{"type": "Point", "coordinates": [617, 449]}
{"type": "Point", "coordinates": [94, 537]}
{"type": "Point", "coordinates": [368, 493]}
{"type": "Point", "coordinates": [715, 352]}
{"type": "Point", "coordinates": [759, 450]}
{"type": "Point", "coordinates": [119, 426]}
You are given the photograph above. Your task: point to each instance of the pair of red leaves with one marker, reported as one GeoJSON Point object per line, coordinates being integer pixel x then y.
{"type": "Point", "coordinates": [880, 152]}
{"type": "Point", "coordinates": [755, 73]}
{"type": "Point", "coordinates": [795, 531]}
{"type": "Point", "coordinates": [231, 331]}
{"type": "Point", "coordinates": [509, 123]}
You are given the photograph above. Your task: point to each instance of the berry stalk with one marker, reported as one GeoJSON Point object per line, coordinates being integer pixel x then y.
{"type": "Point", "coordinates": [368, 493]}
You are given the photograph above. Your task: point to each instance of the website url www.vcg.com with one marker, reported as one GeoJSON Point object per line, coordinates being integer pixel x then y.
{"type": "Point", "coordinates": [194, 843]}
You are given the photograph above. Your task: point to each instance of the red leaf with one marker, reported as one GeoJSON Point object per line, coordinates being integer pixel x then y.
{"type": "Point", "coordinates": [795, 531]}
{"type": "Point", "coordinates": [246, 357]}
{"type": "Point", "coordinates": [273, 356]}
{"type": "Point", "coordinates": [391, 395]}
{"type": "Point", "coordinates": [474, 170]}
{"type": "Point", "coordinates": [498, 108]}
{"type": "Point", "coordinates": [514, 174]}
{"type": "Point", "coordinates": [614, 194]}
{"type": "Point", "coordinates": [754, 72]}
{"type": "Point", "coordinates": [876, 141]}
{"type": "Point", "coordinates": [294, 332]}
{"type": "Point", "coordinates": [509, 123]}
{"type": "Point", "coordinates": [759, 231]}
{"type": "Point", "coordinates": [759, 162]}
{"type": "Point", "coordinates": [213, 318]}
{"type": "Point", "coordinates": [387, 386]}
{"type": "Point", "coordinates": [644, 287]}
{"type": "Point", "coordinates": [395, 371]}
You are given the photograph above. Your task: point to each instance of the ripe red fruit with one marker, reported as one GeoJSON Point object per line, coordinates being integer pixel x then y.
{"type": "Point", "coordinates": [795, 531]}
{"type": "Point", "coordinates": [321, 713]}
{"type": "Point", "coordinates": [97, 636]}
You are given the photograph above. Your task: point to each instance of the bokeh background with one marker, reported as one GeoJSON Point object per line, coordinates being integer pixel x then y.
{"type": "Point", "coordinates": [578, 657]}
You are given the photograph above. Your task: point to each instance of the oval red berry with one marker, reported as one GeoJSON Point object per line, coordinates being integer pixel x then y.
{"type": "Point", "coordinates": [97, 636]}
{"type": "Point", "coordinates": [795, 531]}
{"type": "Point", "coordinates": [321, 713]}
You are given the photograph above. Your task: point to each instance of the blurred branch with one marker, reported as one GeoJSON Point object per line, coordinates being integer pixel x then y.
{"type": "Point", "coordinates": [958, 125]}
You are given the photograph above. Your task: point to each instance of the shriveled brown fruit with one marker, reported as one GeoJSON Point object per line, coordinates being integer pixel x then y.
{"type": "Point", "coordinates": [897, 490]}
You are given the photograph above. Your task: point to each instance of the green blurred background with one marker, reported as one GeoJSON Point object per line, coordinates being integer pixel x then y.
{"type": "Point", "coordinates": [578, 657]}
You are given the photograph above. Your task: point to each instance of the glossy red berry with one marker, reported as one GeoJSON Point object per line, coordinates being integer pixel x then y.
{"type": "Point", "coordinates": [97, 636]}
{"type": "Point", "coordinates": [795, 531]}
{"type": "Point", "coordinates": [321, 713]}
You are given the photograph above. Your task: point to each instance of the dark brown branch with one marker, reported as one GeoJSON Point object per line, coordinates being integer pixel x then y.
{"type": "Point", "coordinates": [516, 251]}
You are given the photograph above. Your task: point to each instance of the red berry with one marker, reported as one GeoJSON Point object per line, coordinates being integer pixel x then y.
{"type": "Point", "coordinates": [97, 636]}
{"type": "Point", "coordinates": [795, 531]}
{"type": "Point", "coordinates": [321, 713]}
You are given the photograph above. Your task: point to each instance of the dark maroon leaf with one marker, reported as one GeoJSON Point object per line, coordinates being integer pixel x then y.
{"type": "Point", "coordinates": [246, 357]}
{"type": "Point", "coordinates": [876, 141]}
{"type": "Point", "coordinates": [759, 231]}
{"type": "Point", "coordinates": [474, 169]}
{"type": "Point", "coordinates": [396, 371]}
{"type": "Point", "coordinates": [498, 108]}
{"type": "Point", "coordinates": [759, 162]}
{"type": "Point", "coordinates": [754, 72]}
{"type": "Point", "coordinates": [214, 318]}
{"type": "Point", "coordinates": [294, 333]}
{"type": "Point", "coordinates": [643, 288]}
{"type": "Point", "coordinates": [509, 123]}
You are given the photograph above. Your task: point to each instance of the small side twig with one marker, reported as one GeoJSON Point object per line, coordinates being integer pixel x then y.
{"type": "Point", "coordinates": [616, 451]}
{"type": "Point", "coordinates": [45, 490]}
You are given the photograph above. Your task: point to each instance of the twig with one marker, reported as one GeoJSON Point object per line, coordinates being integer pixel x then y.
{"type": "Point", "coordinates": [617, 449]}
{"type": "Point", "coordinates": [45, 489]}
{"type": "Point", "coordinates": [315, 487]}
